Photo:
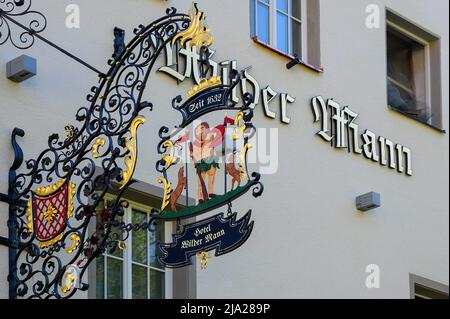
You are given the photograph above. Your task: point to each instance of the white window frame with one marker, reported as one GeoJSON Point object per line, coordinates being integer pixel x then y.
{"type": "Point", "coordinates": [273, 26]}
{"type": "Point", "coordinates": [427, 62]}
{"type": "Point", "coordinates": [127, 260]}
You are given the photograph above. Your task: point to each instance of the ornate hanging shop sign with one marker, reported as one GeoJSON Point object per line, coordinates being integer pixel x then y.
{"type": "Point", "coordinates": [214, 152]}
{"type": "Point", "coordinates": [57, 223]}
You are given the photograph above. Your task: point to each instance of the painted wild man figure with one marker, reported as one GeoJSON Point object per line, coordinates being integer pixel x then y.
{"type": "Point", "coordinates": [204, 151]}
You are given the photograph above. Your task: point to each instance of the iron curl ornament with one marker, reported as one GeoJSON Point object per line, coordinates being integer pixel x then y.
{"type": "Point", "coordinates": [54, 199]}
{"type": "Point", "coordinates": [21, 33]}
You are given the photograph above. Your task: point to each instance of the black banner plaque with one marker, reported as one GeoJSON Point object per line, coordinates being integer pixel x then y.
{"type": "Point", "coordinates": [204, 102]}
{"type": "Point", "coordinates": [223, 234]}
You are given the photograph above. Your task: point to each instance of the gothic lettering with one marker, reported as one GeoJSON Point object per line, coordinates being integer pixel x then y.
{"type": "Point", "coordinates": [339, 128]}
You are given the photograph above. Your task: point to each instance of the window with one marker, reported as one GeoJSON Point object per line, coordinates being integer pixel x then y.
{"type": "Point", "coordinates": [413, 76]}
{"type": "Point", "coordinates": [407, 75]}
{"type": "Point", "coordinates": [422, 292]}
{"type": "Point", "coordinates": [134, 272]}
{"type": "Point", "coordinates": [278, 23]}
{"type": "Point", "coordinates": [422, 288]}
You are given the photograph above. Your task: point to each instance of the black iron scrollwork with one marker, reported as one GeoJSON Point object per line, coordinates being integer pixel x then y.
{"type": "Point", "coordinates": [91, 155]}
{"type": "Point", "coordinates": [21, 33]}
{"type": "Point", "coordinates": [96, 156]}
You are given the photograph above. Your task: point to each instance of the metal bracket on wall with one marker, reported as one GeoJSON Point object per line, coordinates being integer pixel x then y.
{"type": "Point", "coordinates": [36, 268]}
{"type": "Point", "coordinates": [296, 60]}
{"type": "Point", "coordinates": [55, 197]}
{"type": "Point", "coordinates": [25, 37]}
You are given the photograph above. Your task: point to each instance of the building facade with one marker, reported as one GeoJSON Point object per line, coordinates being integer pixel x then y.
{"type": "Point", "coordinates": [364, 108]}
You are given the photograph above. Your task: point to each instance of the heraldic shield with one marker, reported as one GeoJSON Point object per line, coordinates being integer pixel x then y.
{"type": "Point", "coordinates": [48, 211]}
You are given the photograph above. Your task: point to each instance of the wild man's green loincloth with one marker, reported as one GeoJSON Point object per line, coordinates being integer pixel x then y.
{"type": "Point", "coordinates": [206, 164]}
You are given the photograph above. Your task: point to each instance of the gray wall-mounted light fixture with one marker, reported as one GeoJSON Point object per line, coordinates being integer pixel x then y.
{"type": "Point", "coordinates": [21, 68]}
{"type": "Point", "coordinates": [368, 201]}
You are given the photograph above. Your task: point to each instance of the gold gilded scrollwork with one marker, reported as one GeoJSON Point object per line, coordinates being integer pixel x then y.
{"type": "Point", "coordinates": [72, 193]}
{"type": "Point", "coordinates": [169, 160]}
{"type": "Point", "coordinates": [51, 242]}
{"type": "Point", "coordinates": [242, 162]}
{"type": "Point", "coordinates": [69, 280]}
{"type": "Point", "coordinates": [169, 157]}
{"type": "Point", "coordinates": [202, 38]}
{"type": "Point", "coordinates": [100, 142]}
{"type": "Point", "coordinates": [203, 257]}
{"type": "Point", "coordinates": [240, 129]}
{"type": "Point", "coordinates": [131, 145]}
{"type": "Point", "coordinates": [205, 84]}
{"type": "Point", "coordinates": [70, 131]}
{"type": "Point", "coordinates": [75, 243]}
{"type": "Point", "coordinates": [29, 214]}
{"type": "Point", "coordinates": [167, 192]}
{"type": "Point", "coordinates": [49, 190]}
{"type": "Point", "coordinates": [197, 33]}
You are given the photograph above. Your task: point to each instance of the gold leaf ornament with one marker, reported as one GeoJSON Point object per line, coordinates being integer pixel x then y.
{"type": "Point", "coordinates": [242, 163]}
{"type": "Point", "coordinates": [50, 213]}
{"type": "Point", "coordinates": [100, 142]}
{"type": "Point", "coordinates": [205, 84]}
{"type": "Point", "coordinates": [203, 257]}
{"type": "Point", "coordinates": [75, 243]}
{"type": "Point", "coordinates": [167, 192]}
{"type": "Point", "coordinates": [169, 157]}
{"type": "Point", "coordinates": [240, 129]}
{"type": "Point", "coordinates": [70, 279]}
{"type": "Point", "coordinates": [131, 145]}
{"type": "Point", "coordinates": [197, 32]}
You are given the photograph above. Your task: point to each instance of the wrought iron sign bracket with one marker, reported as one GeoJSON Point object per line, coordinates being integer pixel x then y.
{"type": "Point", "coordinates": [56, 197]}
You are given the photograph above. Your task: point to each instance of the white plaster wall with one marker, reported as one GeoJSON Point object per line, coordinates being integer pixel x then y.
{"type": "Point", "coordinates": [308, 240]}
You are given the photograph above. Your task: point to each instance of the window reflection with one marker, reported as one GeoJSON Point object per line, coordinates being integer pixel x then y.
{"type": "Point", "coordinates": [262, 28]}
{"type": "Point", "coordinates": [282, 32]}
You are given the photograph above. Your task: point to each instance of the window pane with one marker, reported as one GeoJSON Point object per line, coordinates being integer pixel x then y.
{"type": "Point", "coordinates": [114, 280]}
{"type": "Point", "coordinates": [139, 282]}
{"type": "Point", "coordinates": [155, 237]}
{"type": "Point", "coordinates": [406, 89]}
{"type": "Point", "coordinates": [263, 22]}
{"type": "Point", "coordinates": [399, 53]}
{"type": "Point", "coordinates": [139, 238]}
{"type": "Point", "coordinates": [282, 32]}
{"type": "Point", "coordinates": [115, 231]}
{"type": "Point", "coordinates": [100, 277]}
{"type": "Point", "coordinates": [296, 38]}
{"type": "Point", "coordinates": [156, 284]}
{"type": "Point", "coordinates": [282, 5]}
{"type": "Point", "coordinates": [296, 9]}
{"type": "Point", "coordinates": [422, 292]}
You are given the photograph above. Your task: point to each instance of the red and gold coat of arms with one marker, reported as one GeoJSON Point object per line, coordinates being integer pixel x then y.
{"type": "Point", "coordinates": [48, 211]}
